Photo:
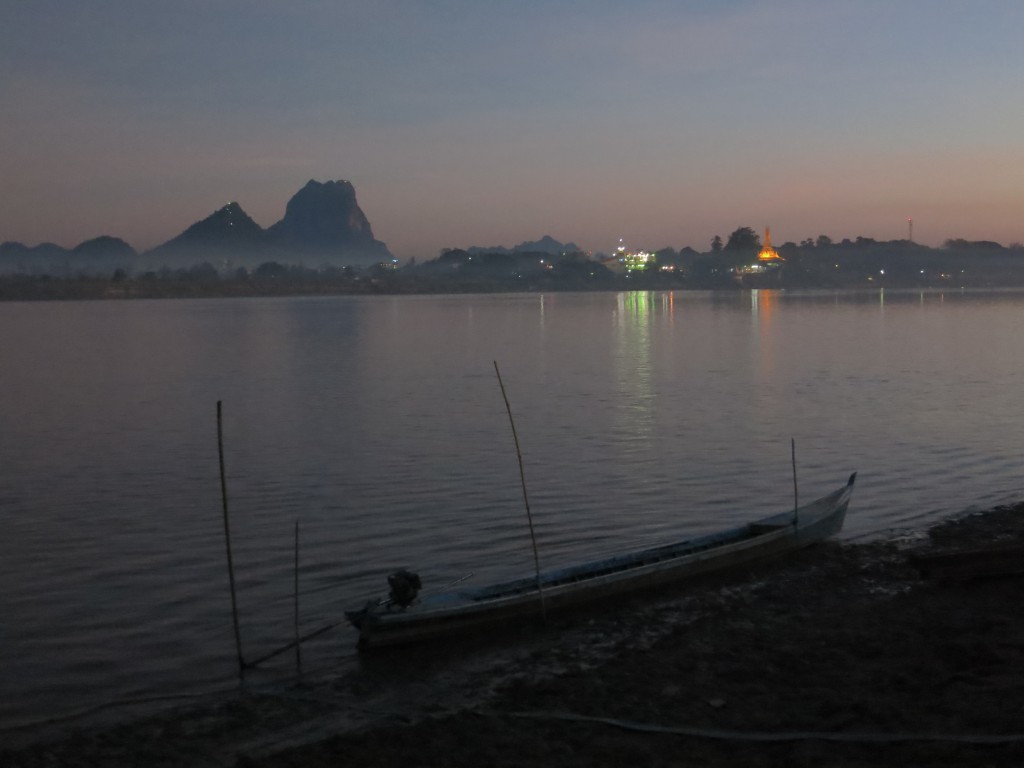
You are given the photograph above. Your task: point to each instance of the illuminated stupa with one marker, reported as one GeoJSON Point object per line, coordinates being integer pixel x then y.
{"type": "Point", "coordinates": [767, 252]}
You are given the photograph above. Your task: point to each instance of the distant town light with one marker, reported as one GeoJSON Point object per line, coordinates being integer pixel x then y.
{"type": "Point", "coordinates": [636, 261]}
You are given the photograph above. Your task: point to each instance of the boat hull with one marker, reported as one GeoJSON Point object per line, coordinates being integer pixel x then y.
{"type": "Point", "coordinates": [518, 602]}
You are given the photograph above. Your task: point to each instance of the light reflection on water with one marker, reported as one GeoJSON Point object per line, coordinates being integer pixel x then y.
{"type": "Point", "coordinates": [377, 423]}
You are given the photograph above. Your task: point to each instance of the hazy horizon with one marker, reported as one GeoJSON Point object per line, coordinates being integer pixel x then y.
{"type": "Point", "coordinates": [464, 124]}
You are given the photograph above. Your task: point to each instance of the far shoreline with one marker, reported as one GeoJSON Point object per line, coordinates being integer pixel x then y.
{"type": "Point", "coordinates": [44, 288]}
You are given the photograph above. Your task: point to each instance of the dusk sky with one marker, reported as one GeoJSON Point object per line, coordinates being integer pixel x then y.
{"type": "Point", "coordinates": [467, 122]}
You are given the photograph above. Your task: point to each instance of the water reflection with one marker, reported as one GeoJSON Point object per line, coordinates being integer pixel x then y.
{"type": "Point", "coordinates": [377, 421]}
{"type": "Point", "coordinates": [632, 359]}
{"type": "Point", "coordinates": [762, 307]}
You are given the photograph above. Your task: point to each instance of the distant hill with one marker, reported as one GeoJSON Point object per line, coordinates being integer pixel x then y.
{"type": "Point", "coordinates": [101, 255]}
{"type": "Point", "coordinates": [105, 248]}
{"type": "Point", "coordinates": [322, 225]}
{"type": "Point", "coordinates": [324, 221]}
{"type": "Point", "coordinates": [546, 244]}
{"type": "Point", "coordinates": [227, 235]}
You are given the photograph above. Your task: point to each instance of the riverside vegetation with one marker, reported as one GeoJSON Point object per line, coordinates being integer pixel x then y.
{"type": "Point", "coordinates": [859, 264]}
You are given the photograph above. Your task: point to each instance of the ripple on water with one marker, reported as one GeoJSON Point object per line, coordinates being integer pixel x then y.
{"type": "Point", "coordinates": [379, 427]}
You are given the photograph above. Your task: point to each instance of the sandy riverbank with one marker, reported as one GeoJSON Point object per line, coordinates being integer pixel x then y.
{"type": "Point", "coordinates": [839, 645]}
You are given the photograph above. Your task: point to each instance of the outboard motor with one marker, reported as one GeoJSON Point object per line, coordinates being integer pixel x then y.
{"type": "Point", "coordinates": [405, 585]}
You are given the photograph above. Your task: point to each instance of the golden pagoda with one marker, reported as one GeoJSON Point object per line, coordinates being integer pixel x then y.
{"type": "Point", "coordinates": [767, 252]}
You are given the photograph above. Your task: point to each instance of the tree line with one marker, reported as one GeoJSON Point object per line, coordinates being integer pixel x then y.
{"type": "Point", "coordinates": [818, 262]}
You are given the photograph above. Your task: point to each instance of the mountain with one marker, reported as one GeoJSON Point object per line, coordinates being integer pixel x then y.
{"type": "Point", "coordinates": [323, 221]}
{"type": "Point", "coordinates": [105, 248]}
{"type": "Point", "coordinates": [322, 224]}
{"type": "Point", "coordinates": [227, 234]}
{"type": "Point", "coordinates": [546, 244]}
{"type": "Point", "coordinates": [227, 227]}
{"type": "Point", "coordinates": [18, 257]}
{"type": "Point", "coordinates": [100, 255]}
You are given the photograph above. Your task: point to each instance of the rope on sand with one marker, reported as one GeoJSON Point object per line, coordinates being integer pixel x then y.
{"type": "Point", "coordinates": [769, 736]}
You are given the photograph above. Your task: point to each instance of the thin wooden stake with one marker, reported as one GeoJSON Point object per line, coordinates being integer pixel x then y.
{"type": "Point", "coordinates": [298, 645]}
{"type": "Point", "coordinates": [227, 543]}
{"type": "Point", "coordinates": [289, 645]}
{"type": "Point", "coordinates": [796, 495]}
{"type": "Point", "coordinates": [526, 499]}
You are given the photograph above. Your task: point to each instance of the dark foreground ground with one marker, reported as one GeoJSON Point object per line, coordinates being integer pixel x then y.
{"type": "Point", "coordinates": [842, 656]}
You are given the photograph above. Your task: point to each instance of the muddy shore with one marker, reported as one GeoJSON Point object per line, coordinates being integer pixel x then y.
{"type": "Point", "coordinates": [843, 655]}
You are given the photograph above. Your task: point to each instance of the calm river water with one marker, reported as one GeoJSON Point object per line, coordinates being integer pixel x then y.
{"type": "Point", "coordinates": [378, 425]}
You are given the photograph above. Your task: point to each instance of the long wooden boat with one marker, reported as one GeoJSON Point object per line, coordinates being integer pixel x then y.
{"type": "Point", "coordinates": [405, 617]}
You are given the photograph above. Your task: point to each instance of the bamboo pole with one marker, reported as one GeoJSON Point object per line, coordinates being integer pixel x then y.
{"type": "Point", "coordinates": [298, 645]}
{"type": "Point", "coordinates": [796, 495]}
{"type": "Point", "coordinates": [227, 543]}
{"type": "Point", "coordinates": [526, 499]}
